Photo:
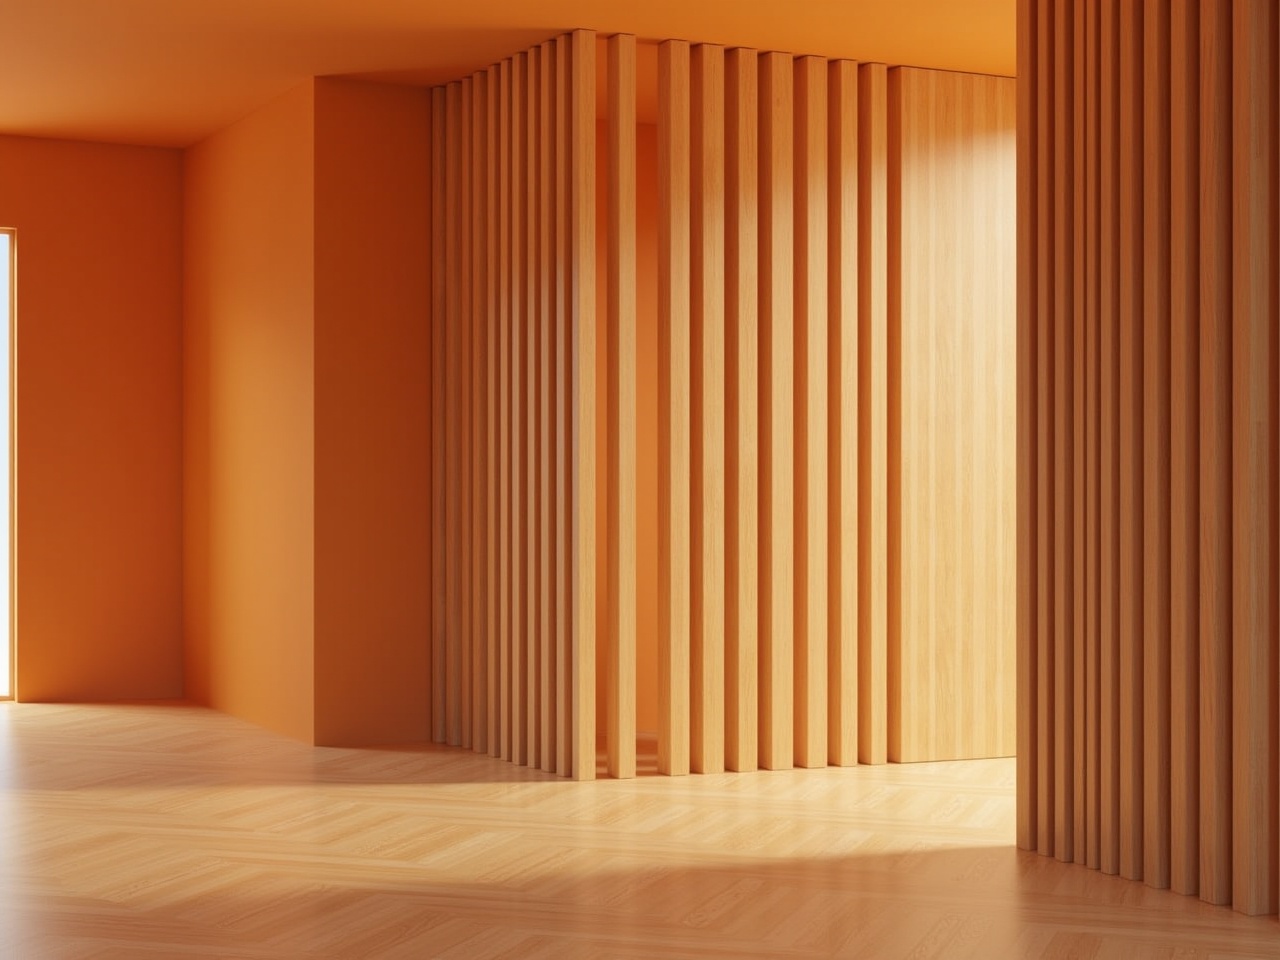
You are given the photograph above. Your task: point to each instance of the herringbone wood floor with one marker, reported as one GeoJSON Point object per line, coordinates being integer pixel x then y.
{"type": "Point", "coordinates": [171, 831]}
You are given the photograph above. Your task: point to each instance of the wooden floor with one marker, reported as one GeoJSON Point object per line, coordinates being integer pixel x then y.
{"type": "Point", "coordinates": [154, 831]}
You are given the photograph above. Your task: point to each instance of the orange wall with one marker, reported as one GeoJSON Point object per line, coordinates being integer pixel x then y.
{"type": "Point", "coordinates": [249, 390]}
{"type": "Point", "coordinates": [99, 457]}
{"type": "Point", "coordinates": [372, 397]}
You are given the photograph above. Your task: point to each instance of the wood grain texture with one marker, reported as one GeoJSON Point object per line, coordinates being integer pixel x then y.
{"type": "Point", "coordinates": [1079, 501]}
{"type": "Point", "coordinates": [952, 305]}
{"type": "Point", "coordinates": [621, 332]}
{"type": "Point", "coordinates": [811, 413]}
{"type": "Point", "coordinates": [478, 421]}
{"type": "Point", "coordinates": [565, 591]}
{"type": "Point", "coordinates": [674, 415]}
{"type": "Point", "coordinates": [493, 556]}
{"type": "Point", "coordinates": [452, 412]}
{"type": "Point", "coordinates": [582, 82]}
{"type": "Point", "coordinates": [842, 413]}
{"type": "Point", "coordinates": [1215, 451]}
{"type": "Point", "coordinates": [1184, 447]}
{"type": "Point", "coordinates": [520, 619]}
{"type": "Point", "coordinates": [439, 240]}
{"type": "Point", "coordinates": [777, 411]}
{"type": "Point", "coordinates": [873, 498]}
{"type": "Point", "coordinates": [505, 578]}
{"type": "Point", "coordinates": [464, 321]}
{"type": "Point", "coordinates": [546, 438]}
{"type": "Point", "coordinates": [1254, 378]}
{"type": "Point", "coordinates": [707, 413]}
{"type": "Point", "coordinates": [530, 412]}
{"type": "Point", "coordinates": [742, 453]}
{"type": "Point", "coordinates": [1155, 445]}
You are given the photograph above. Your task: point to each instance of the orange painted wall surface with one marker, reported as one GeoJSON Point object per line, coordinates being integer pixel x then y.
{"type": "Point", "coordinates": [99, 457]}
{"type": "Point", "coordinates": [372, 447]}
{"type": "Point", "coordinates": [249, 391]}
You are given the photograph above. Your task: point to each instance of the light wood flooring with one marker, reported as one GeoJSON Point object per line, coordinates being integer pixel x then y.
{"type": "Point", "coordinates": [172, 831]}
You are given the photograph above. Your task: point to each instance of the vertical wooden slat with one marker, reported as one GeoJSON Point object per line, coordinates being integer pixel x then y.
{"type": "Point", "coordinates": [439, 560]}
{"type": "Point", "coordinates": [1079, 646]}
{"type": "Point", "coordinates": [707, 400]}
{"type": "Point", "coordinates": [546, 506]}
{"type": "Point", "coordinates": [1093, 449]}
{"type": "Point", "coordinates": [521, 621]}
{"type": "Point", "coordinates": [777, 411]}
{"type": "Point", "coordinates": [674, 427]}
{"type": "Point", "coordinates": [1155, 443]}
{"type": "Point", "coordinates": [1184, 446]}
{"type": "Point", "coordinates": [505, 271]}
{"type": "Point", "coordinates": [478, 431]}
{"type": "Point", "coordinates": [491, 400]}
{"type": "Point", "coordinates": [842, 420]}
{"type": "Point", "coordinates": [1215, 450]}
{"type": "Point", "coordinates": [873, 508]}
{"type": "Point", "coordinates": [1063, 429]}
{"type": "Point", "coordinates": [811, 356]}
{"type": "Point", "coordinates": [532, 341]}
{"type": "Point", "coordinates": [1045, 146]}
{"type": "Point", "coordinates": [452, 334]}
{"type": "Point", "coordinates": [583, 499]}
{"type": "Point", "coordinates": [466, 293]}
{"type": "Point", "coordinates": [1108, 436]}
{"type": "Point", "coordinates": [742, 413]}
{"type": "Point", "coordinates": [1028, 161]}
{"type": "Point", "coordinates": [564, 465]}
{"type": "Point", "coordinates": [620, 329]}
{"type": "Point", "coordinates": [1253, 456]}
{"type": "Point", "coordinates": [1131, 452]}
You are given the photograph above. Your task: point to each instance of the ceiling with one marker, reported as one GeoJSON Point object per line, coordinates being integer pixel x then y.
{"type": "Point", "coordinates": [171, 72]}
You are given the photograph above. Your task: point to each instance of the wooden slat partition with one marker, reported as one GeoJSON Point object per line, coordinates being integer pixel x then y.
{"type": "Point", "coordinates": [707, 409]}
{"type": "Point", "coordinates": [674, 427]}
{"type": "Point", "coordinates": [452, 414]}
{"type": "Point", "coordinates": [563, 412]}
{"type": "Point", "coordinates": [1177, 232]}
{"type": "Point", "coordinates": [546, 438]}
{"type": "Point", "coordinates": [466, 539]}
{"type": "Point", "coordinates": [742, 411]}
{"type": "Point", "coordinates": [439, 555]}
{"type": "Point", "coordinates": [529, 411]}
{"type": "Point", "coordinates": [620, 329]}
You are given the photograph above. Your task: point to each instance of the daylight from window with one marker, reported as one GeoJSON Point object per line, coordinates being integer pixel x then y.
{"type": "Point", "coordinates": [6, 648]}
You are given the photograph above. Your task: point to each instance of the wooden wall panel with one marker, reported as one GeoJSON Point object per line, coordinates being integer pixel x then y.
{"type": "Point", "coordinates": [674, 416]}
{"type": "Point", "coordinates": [1181, 371]}
{"type": "Point", "coordinates": [478, 432]}
{"type": "Point", "coordinates": [463, 322]}
{"type": "Point", "coordinates": [452, 413]}
{"type": "Point", "coordinates": [520, 619]}
{"type": "Point", "coordinates": [873, 424]}
{"type": "Point", "coordinates": [952, 349]}
{"type": "Point", "coordinates": [742, 411]}
{"type": "Point", "coordinates": [530, 411]}
{"type": "Point", "coordinates": [707, 408]}
{"type": "Point", "coordinates": [506, 593]}
{"type": "Point", "coordinates": [491, 402]}
{"type": "Point", "coordinates": [564, 410]}
{"type": "Point", "coordinates": [842, 414]}
{"type": "Point", "coordinates": [811, 412]}
{"type": "Point", "coordinates": [439, 682]}
{"type": "Point", "coordinates": [620, 330]}
{"type": "Point", "coordinates": [546, 502]}
{"type": "Point", "coordinates": [777, 411]}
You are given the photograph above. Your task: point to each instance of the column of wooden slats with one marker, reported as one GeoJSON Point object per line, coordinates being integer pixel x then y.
{"type": "Point", "coordinates": [513, 175]}
{"type": "Point", "coordinates": [1172, 226]}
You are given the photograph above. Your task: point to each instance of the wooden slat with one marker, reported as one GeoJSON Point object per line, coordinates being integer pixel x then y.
{"type": "Point", "coordinates": [452, 337]}
{"type": "Point", "coordinates": [478, 431]}
{"type": "Point", "coordinates": [1079, 465]}
{"type": "Point", "coordinates": [674, 427]}
{"type": "Point", "coordinates": [530, 413]}
{"type": "Point", "coordinates": [811, 357]}
{"type": "Point", "coordinates": [742, 412]}
{"type": "Point", "coordinates": [707, 398]}
{"type": "Point", "coordinates": [777, 404]}
{"type": "Point", "coordinates": [506, 586]}
{"type": "Point", "coordinates": [564, 464]}
{"type": "Point", "coordinates": [1092, 524]}
{"type": "Point", "coordinates": [1028, 744]}
{"type": "Point", "coordinates": [1045, 767]}
{"type": "Point", "coordinates": [493, 557]}
{"type": "Point", "coordinates": [466, 294]}
{"type": "Point", "coordinates": [582, 82]}
{"type": "Point", "coordinates": [842, 419]}
{"type": "Point", "coordinates": [1063, 490]}
{"type": "Point", "coordinates": [439, 560]}
{"type": "Point", "coordinates": [1155, 444]}
{"type": "Point", "coordinates": [1184, 447]}
{"type": "Point", "coordinates": [521, 622]}
{"type": "Point", "coordinates": [1253, 474]}
{"type": "Point", "coordinates": [1108, 439]}
{"type": "Point", "coordinates": [620, 329]}
{"type": "Point", "coordinates": [436, 281]}
{"type": "Point", "coordinates": [873, 506]}
{"type": "Point", "coordinates": [546, 440]}
{"type": "Point", "coordinates": [1215, 449]}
